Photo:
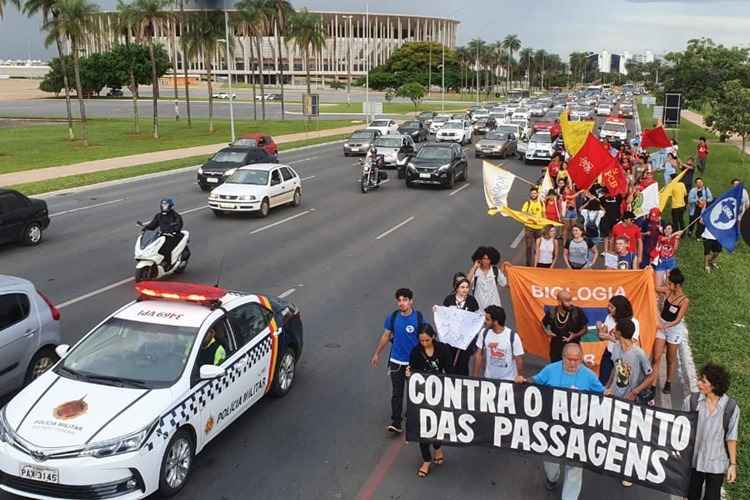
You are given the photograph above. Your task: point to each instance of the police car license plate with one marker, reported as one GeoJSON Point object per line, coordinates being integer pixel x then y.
{"type": "Point", "coordinates": [212, 180]}
{"type": "Point", "coordinates": [36, 473]}
{"type": "Point", "coordinates": [425, 176]}
{"type": "Point", "coordinates": [227, 205]}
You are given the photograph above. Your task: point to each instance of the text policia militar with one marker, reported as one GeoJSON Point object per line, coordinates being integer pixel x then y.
{"type": "Point", "coordinates": [648, 445]}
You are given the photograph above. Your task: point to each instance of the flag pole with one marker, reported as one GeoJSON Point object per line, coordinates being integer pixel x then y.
{"type": "Point", "coordinates": [516, 176]}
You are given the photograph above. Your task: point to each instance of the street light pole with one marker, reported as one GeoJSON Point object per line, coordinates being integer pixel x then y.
{"type": "Point", "coordinates": [349, 62]}
{"type": "Point", "coordinates": [429, 69]}
{"type": "Point", "coordinates": [477, 70]}
{"type": "Point", "coordinates": [367, 62]}
{"type": "Point", "coordinates": [229, 75]}
{"type": "Point", "coordinates": [442, 84]}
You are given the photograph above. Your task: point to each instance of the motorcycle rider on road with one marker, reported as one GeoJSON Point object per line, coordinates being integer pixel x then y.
{"type": "Point", "coordinates": [375, 161]}
{"type": "Point", "coordinates": [169, 223]}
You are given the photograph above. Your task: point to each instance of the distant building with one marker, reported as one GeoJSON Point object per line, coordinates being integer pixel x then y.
{"type": "Point", "coordinates": [23, 68]}
{"type": "Point", "coordinates": [645, 58]}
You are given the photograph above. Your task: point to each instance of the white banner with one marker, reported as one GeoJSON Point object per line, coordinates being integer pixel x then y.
{"type": "Point", "coordinates": [646, 200]}
{"type": "Point", "coordinates": [457, 327]}
{"type": "Point", "coordinates": [497, 184]}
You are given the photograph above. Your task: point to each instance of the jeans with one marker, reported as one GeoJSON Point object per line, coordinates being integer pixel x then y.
{"type": "Point", "coordinates": [702, 164]}
{"type": "Point", "coordinates": [713, 485]}
{"type": "Point", "coordinates": [605, 367]}
{"type": "Point", "coordinates": [398, 381]}
{"type": "Point", "coordinates": [424, 448]}
{"type": "Point", "coordinates": [696, 228]}
{"type": "Point", "coordinates": [572, 481]}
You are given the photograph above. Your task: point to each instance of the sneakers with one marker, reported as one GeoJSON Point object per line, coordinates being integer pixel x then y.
{"type": "Point", "coordinates": [707, 269]}
{"type": "Point", "coordinates": [627, 484]}
{"type": "Point", "coordinates": [395, 428]}
{"type": "Point", "coordinates": [714, 265]}
{"type": "Point", "coordinates": [667, 388]}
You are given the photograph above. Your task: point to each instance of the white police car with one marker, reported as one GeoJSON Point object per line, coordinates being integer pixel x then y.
{"type": "Point", "coordinates": [125, 411]}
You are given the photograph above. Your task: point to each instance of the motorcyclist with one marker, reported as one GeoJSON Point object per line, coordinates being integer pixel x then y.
{"type": "Point", "coordinates": [169, 223]}
{"type": "Point", "coordinates": [375, 161]}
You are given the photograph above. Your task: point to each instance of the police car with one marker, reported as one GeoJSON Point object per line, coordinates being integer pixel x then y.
{"type": "Point", "coordinates": [124, 412]}
{"type": "Point", "coordinates": [614, 130]}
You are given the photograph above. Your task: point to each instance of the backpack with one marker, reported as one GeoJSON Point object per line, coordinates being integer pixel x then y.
{"type": "Point", "coordinates": [392, 322]}
{"type": "Point", "coordinates": [512, 340]}
{"type": "Point", "coordinates": [727, 417]}
{"type": "Point", "coordinates": [495, 273]}
{"type": "Point", "coordinates": [590, 227]}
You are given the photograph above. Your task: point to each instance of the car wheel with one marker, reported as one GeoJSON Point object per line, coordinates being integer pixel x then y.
{"type": "Point", "coordinates": [32, 235]}
{"type": "Point", "coordinates": [297, 200]}
{"type": "Point", "coordinates": [143, 274]}
{"type": "Point", "coordinates": [218, 213]}
{"type": "Point", "coordinates": [451, 182]}
{"type": "Point", "coordinates": [465, 176]}
{"type": "Point", "coordinates": [205, 187]}
{"type": "Point", "coordinates": [409, 184]}
{"type": "Point", "coordinates": [477, 155]}
{"type": "Point", "coordinates": [40, 363]}
{"type": "Point", "coordinates": [284, 377]}
{"type": "Point", "coordinates": [526, 161]}
{"type": "Point", "coordinates": [265, 208]}
{"type": "Point", "coordinates": [346, 154]}
{"type": "Point", "coordinates": [177, 463]}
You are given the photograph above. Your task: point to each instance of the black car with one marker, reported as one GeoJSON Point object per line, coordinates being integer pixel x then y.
{"type": "Point", "coordinates": [115, 93]}
{"type": "Point", "coordinates": [485, 125]}
{"type": "Point", "coordinates": [22, 219]}
{"type": "Point", "coordinates": [226, 161]}
{"type": "Point", "coordinates": [414, 129]}
{"type": "Point", "coordinates": [426, 117]}
{"type": "Point", "coordinates": [439, 164]}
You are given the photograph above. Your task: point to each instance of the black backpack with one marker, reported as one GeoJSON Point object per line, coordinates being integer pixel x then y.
{"type": "Point", "coordinates": [392, 322]}
{"type": "Point", "coordinates": [495, 273]}
{"type": "Point", "coordinates": [590, 228]}
{"type": "Point", "coordinates": [512, 340]}
{"type": "Point", "coordinates": [728, 412]}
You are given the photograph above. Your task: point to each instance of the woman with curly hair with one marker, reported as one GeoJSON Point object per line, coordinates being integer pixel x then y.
{"type": "Point", "coordinates": [485, 277]}
{"type": "Point", "coordinates": [619, 307]}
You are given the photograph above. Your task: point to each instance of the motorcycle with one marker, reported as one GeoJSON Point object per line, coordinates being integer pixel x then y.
{"type": "Point", "coordinates": [149, 263]}
{"type": "Point", "coordinates": [372, 175]}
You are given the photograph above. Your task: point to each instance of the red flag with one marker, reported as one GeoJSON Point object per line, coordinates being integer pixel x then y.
{"type": "Point", "coordinates": [589, 162]}
{"type": "Point", "coordinates": [614, 180]}
{"type": "Point", "coordinates": [655, 138]}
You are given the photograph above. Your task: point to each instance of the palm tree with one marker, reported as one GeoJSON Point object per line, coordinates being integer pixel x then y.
{"type": "Point", "coordinates": [258, 15]}
{"type": "Point", "coordinates": [540, 58]}
{"type": "Point", "coordinates": [511, 43]}
{"type": "Point", "coordinates": [2, 6]}
{"type": "Point", "coordinates": [75, 21]}
{"type": "Point", "coordinates": [49, 15]}
{"type": "Point", "coordinates": [524, 62]}
{"type": "Point", "coordinates": [307, 33]}
{"type": "Point", "coordinates": [148, 13]}
{"type": "Point", "coordinates": [280, 19]}
{"type": "Point", "coordinates": [183, 26]}
{"type": "Point", "coordinates": [173, 35]}
{"type": "Point", "coordinates": [126, 24]}
{"type": "Point", "coordinates": [476, 47]}
{"type": "Point", "coordinates": [206, 29]}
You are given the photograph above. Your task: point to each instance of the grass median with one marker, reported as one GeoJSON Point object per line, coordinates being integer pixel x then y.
{"type": "Point", "coordinates": [39, 146]}
{"type": "Point", "coordinates": [719, 315]}
{"type": "Point", "coordinates": [73, 181]}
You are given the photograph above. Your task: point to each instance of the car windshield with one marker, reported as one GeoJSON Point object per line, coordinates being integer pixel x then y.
{"type": "Point", "coordinates": [615, 127]}
{"type": "Point", "coordinates": [455, 125]}
{"type": "Point", "coordinates": [541, 138]}
{"type": "Point", "coordinates": [379, 123]}
{"type": "Point", "coordinates": [252, 177]}
{"type": "Point", "coordinates": [440, 119]}
{"type": "Point", "coordinates": [361, 135]}
{"type": "Point", "coordinates": [246, 142]}
{"type": "Point", "coordinates": [502, 130]}
{"type": "Point", "coordinates": [131, 353]}
{"type": "Point", "coordinates": [522, 123]}
{"type": "Point", "coordinates": [388, 142]}
{"type": "Point", "coordinates": [410, 125]}
{"type": "Point", "coordinates": [229, 157]}
{"type": "Point", "coordinates": [442, 154]}
{"type": "Point", "coordinates": [495, 136]}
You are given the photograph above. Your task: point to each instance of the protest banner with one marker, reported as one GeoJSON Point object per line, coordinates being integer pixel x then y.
{"type": "Point", "coordinates": [649, 446]}
{"type": "Point", "coordinates": [457, 327]}
{"type": "Point", "coordinates": [534, 289]}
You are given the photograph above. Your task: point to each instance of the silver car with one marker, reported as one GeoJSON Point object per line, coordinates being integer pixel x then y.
{"type": "Point", "coordinates": [29, 333]}
{"type": "Point", "coordinates": [360, 141]}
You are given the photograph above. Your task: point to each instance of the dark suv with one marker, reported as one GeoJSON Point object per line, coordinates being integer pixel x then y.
{"type": "Point", "coordinates": [437, 164]}
{"type": "Point", "coordinates": [226, 161]}
{"type": "Point", "coordinates": [22, 219]}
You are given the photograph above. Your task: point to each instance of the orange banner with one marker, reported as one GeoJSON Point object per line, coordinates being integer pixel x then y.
{"type": "Point", "coordinates": [531, 289]}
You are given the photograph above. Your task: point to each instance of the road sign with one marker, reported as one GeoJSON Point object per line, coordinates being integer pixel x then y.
{"type": "Point", "coordinates": [672, 108]}
{"type": "Point", "coordinates": [649, 100]}
{"type": "Point", "coordinates": [658, 112]}
{"type": "Point", "coordinates": [311, 104]}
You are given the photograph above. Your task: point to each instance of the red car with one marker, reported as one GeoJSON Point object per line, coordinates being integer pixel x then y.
{"type": "Point", "coordinates": [258, 140]}
{"type": "Point", "coordinates": [552, 127]}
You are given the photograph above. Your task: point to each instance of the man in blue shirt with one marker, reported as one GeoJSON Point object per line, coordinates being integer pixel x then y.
{"type": "Point", "coordinates": [401, 327]}
{"type": "Point", "coordinates": [566, 374]}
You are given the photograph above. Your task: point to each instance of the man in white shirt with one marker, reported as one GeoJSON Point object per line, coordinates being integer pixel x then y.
{"type": "Point", "coordinates": [499, 350]}
{"type": "Point", "coordinates": [745, 198]}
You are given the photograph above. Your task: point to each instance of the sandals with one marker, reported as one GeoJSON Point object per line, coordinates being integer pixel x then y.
{"type": "Point", "coordinates": [422, 473]}
{"type": "Point", "coordinates": [439, 460]}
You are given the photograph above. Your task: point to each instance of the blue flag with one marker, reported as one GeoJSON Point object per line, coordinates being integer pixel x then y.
{"type": "Point", "coordinates": [721, 218]}
{"type": "Point", "coordinates": [658, 159]}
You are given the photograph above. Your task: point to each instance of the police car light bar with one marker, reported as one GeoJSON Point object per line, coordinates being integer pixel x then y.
{"type": "Point", "coordinates": [188, 292]}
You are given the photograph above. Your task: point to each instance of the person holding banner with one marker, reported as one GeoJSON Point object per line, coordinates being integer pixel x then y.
{"type": "Point", "coordinates": [699, 198]}
{"type": "Point", "coordinates": [461, 299]}
{"type": "Point", "coordinates": [500, 351]}
{"type": "Point", "coordinates": [672, 329]}
{"type": "Point", "coordinates": [632, 376]}
{"type": "Point", "coordinates": [579, 252]}
{"type": "Point", "coordinates": [486, 278]}
{"type": "Point", "coordinates": [563, 324]}
{"type": "Point", "coordinates": [570, 373]}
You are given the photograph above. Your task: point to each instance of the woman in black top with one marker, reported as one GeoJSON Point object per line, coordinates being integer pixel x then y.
{"type": "Point", "coordinates": [429, 356]}
{"type": "Point", "coordinates": [462, 299]}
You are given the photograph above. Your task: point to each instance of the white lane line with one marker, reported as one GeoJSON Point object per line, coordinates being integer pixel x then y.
{"type": "Point", "coordinates": [74, 210]}
{"type": "Point", "coordinates": [307, 178]}
{"type": "Point", "coordinates": [400, 224]}
{"type": "Point", "coordinates": [302, 160]}
{"type": "Point", "coordinates": [286, 294]}
{"type": "Point", "coordinates": [191, 210]}
{"type": "Point", "coordinates": [282, 221]}
{"type": "Point", "coordinates": [382, 182]}
{"type": "Point", "coordinates": [460, 189]}
{"type": "Point", "coordinates": [518, 239]}
{"type": "Point", "coordinates": [91, 294]}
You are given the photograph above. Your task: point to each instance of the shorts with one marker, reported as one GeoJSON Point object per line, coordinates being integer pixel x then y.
{"type": "Point", "coordinates": [711, 246]}
{"type": "Point", "coordinates": [570, 214]}
{"type": "Point", "coordinates": [605, 228]}
{"type": "Point", "coordinates": [546, 266]}
{"type": "Point", "coordinates": [666, 264]}
{"type": "Point", "coordinates": [532, 233]}
{"type": "Point", "coordinates": [672, 335]}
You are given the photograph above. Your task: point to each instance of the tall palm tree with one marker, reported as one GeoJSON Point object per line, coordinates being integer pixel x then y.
{"type": "Point", "coordinates": [524, 62]}
{"type": "Point", "coordinates": [148, 13]}
{"type": "Point", "coordinates": [258, 14]}
{"type": "Point", "coordinates": [75, 21]}
{"type": "Point", "coordinates": [49, 15]}
{"type": "Point", "coordinates": [511, 43]}
{"type": "Point", "coordinates": [280, 19]}
{"type": "Point", "coordinates": [476, 48]}
{"type": "Point", "coordinates": [126, 24]}
{"type": "Point", "coordinates": [206, 28]}
{"type": "Point", "coordinates": [173, 35]}
{"type": "Point", "coordinates": [2, 6]}
{"type": "Point", "coordinates": [183, 27]}
{"type": "Point", "coordinates": [307, 33]}
{"type": "Point", "coordinates": [540, 58]}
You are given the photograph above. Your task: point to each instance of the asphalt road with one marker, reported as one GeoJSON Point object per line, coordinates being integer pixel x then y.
{"type": "Point", "coordinates": [326, 439]}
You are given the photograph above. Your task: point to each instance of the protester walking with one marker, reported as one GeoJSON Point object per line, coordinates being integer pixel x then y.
{"type": "Point", "coordinates": [461, 299]}
{"type": "Point", "coordinates": [570, 373]}
{"type": "Point", "coordinates": [666, 252]}
{"type": "Point", "coordinates": [547, 248]}
{"type": "Point", "coordinates": [678, 198]}
{"type": "Point", "coordinates": [486, 277]}
{"type": "Point", "coordinates": [533, 207]}
{"type": "Point", "coordinates": [612, 205]}
{"type": "Point", "coordinates": [499, 349]}
{"type": "Point", "coordinates": [579, 252]}
{"type": "Point", "coordinates": [565, 323]}
{"type": "Point", "coordinates": [745, 205]}
{"type": "Point", "coordinates": [711, 250]}
{"type": "Point", "coordinates": [715, 450]}
{"type": "Point", "coordinates": [401, 329]}
{"type": "Point", "coordinates": [671, 330]}
{"type": "Point", "coordinates": [631, 232]}
{"type": "Point", "coordinates": [618, 308]}
{"type": "Point", "coordinates": [429, 356]}
{"type": "Point", "coordinates": [652, 231]}
{"type": "Point", "coordinates": [702, 153]}
{"type": "Point", "coordinates": [699, 198]}
{"type": "Point", "coordinates": [592, 214]}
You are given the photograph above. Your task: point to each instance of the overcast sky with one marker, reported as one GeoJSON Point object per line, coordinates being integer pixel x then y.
{"type": "Point", "coordinates": [554, 25]}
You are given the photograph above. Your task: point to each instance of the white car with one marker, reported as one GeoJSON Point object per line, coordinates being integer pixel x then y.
{"type": "Point", "coordinates": [479, 114]}
{"type": "Point", "coordinates": [125, 411]}
{"type": "Point", "coordinates": [604, 109]}
{"type": "Point", "coordinates": [437, 123]}
{"type": "Point", "coordinates": [540, 147]}
{"type": "Point", "coordinates": [224, 95]}
{"type": "Point", "coordinates": [455, 131]}
{"type": "Point", "coordinates": [614, 129]}
{"type": "Point", "coordinates": [257, 188]}
{"type": "Point", "coordinates": [523, 125]}
{"type": "Point", "coordinates": [384, 126]}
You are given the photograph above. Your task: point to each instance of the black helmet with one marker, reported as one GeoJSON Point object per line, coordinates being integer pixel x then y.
{"type": "Point", "coordinates": [166, 204]}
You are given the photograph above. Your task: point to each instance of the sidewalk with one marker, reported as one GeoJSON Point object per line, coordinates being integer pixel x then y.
{"type": "Point", "coordinates": [697, 119]}
{"type": "Point", "coordinates": [87, 167]}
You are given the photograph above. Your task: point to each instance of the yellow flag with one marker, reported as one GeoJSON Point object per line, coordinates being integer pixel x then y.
{"type": "Point", "coordinates": [527, 220]}
{"type": "Point", "coordinates": [574, 133]}
{"type": "Point", "coordinates": [666, 192]}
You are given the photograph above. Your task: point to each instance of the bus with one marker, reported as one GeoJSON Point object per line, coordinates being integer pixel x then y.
{"type": "Point", "coordinates": [518, 94]}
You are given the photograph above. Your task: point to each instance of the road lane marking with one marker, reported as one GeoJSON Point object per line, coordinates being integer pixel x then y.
{"type": "Point", "coordinates": [92, 294]}
{"type": "Point", "coordinates": [518, 239]}
{"type": "Point", "coordinates": [400, 224]}
{"type": "Point", "coordinates": [460, 189]}
{"type": "Point", "coordinates": [191, 210]}
{"type": "Point", "coordinates": [282, 221]}
{"type": "Point", "coordinates": [74, 210]}
{"type": "Point", "coordinates": [307, 178]}
{"type": "Point", "coordinates": [302, 160]}
{"type": "Point", "coordinates": [286, 294]}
